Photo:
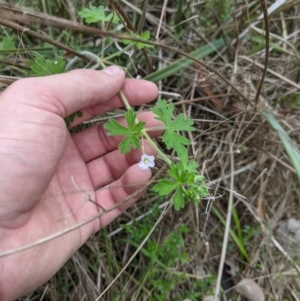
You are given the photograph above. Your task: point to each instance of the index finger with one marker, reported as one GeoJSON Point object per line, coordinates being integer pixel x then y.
{"type": "Point", "coordinates": [64, 94]}
{"type": "Point", "coordinates": [137, 92]}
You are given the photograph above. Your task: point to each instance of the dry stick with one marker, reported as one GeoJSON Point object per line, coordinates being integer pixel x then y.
{"type": "Point", "coordinates": [227, 227]}
{"type": "Point", "coordinates": [271, 71]}
{"type": "Point", "coordinates": [142, 17]}
{"type": "Point", "coordinates": [134, 254]}
{"type": "Point", "coordinates": [44, 38]}
{"type": "Point", "coordinates": [161, 19]}
{"type": "Point", "coordinates": [278, 160]}
{"type": "Point", "coordinates": [267, 30]}
{"type": "Point", "coordinates": [117, 7]}
{"type": "Point", "coordinates": [189, 101]}
{"type": "Point", "coordinates": [96, 31]}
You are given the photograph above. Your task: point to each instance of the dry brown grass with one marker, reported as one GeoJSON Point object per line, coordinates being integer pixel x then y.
{"type": "Point", "coordinates": [229, 127]}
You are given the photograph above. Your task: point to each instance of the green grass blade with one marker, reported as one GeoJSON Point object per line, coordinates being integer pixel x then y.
{"type": "Point", "coordinates": [236, 219]}
{"type": "Point", "coordinates": [288, 144]}
{"type": "Point", "coordinates": [236, 239]}
{"type": "Point", "coordinates": [178, 65]}
{"type": "Point", "coordinates": [178, 17]}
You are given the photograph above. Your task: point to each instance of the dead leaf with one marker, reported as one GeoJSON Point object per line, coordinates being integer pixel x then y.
{"type": "Point", "coordinates": [250, 290]}
{"type": "Point", "coordinates": [293, 225]}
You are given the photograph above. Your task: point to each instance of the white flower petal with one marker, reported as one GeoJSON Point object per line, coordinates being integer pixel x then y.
{"type": "Point", "coordinates": [151, 164]}
{"type": "Point", "coordinates": [146, 162]}
{"type": "Point", "coordinates": [141, 164]}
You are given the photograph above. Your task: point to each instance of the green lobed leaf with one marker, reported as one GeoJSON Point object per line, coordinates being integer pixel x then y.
{"type": "Point", "coordinates": [178, 199]}
{"type": "Point", "coordinates": [175, 172]}
{"type": "Point", "coordinates": [171, 138]}
{"type": "Point", "coordinates": [164, 187]}
{"type": "Point", "coordinates": [130, 117]}
{"type": "Point", "coordinates": [43, 67]}
{"type": "Point", "coordinates": [182, 124]}
{"type": "Point", "coordinates": [95, 14]}
{"type": "Point", "coordinates": [185, 181]}
{"type": "Point", "coordinates": [114, 128]}
{"type": "Point", "coordinates": [192, 166]}
{"type": "Point", "coordinates": [128, 142]}
{"type": "Point", "coordinates": [132, 133]}
{"type": "Point", "coordinates": [163, 110]}
{"type": "Point", "coordinates": [174, 140]}
{"type": "Point", "coordinates": [144, 35]}
{"type": "Point", "coordinates": [79, 114]}
{"type": "Point", "coordinates": [69, 119]}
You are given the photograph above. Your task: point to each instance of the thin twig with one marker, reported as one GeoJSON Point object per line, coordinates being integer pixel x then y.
{"type": "Point", "coordinates": [267, 30]}
{"type": "Point", "coordinates": [135, 253]}
{"type": "Point", "coordinates": [227, 227]}
{"type": "Point", "coordinates": [99, 32]}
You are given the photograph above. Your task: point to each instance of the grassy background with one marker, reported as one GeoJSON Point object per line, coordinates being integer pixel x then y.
{"type": "Point", "coordinates": [243, 95]}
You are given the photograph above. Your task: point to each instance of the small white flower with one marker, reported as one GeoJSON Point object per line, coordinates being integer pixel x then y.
{"type": "Point", "coordinates": [146, 162]}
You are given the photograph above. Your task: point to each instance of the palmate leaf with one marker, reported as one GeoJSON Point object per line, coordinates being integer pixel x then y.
{"type": "Point", "coordinates": [114, 128]}
{"type": "Point", "coordinates": [171, 138]}
{"type": "Point", "coordinates": [178, 199]}
{"type": "Point", "coordinates": [184, 183]}
{"type": "Point", "coordinates": [132, 132]}
{"type": "Point", "coordinates": [165, 187]}
{"type": "Point", "coordinates": [128, 142]}
{"type": "Point", "coordinates": [95, 14]}
{"type": "Point", "coordinates": [190, 166]}
{"type": "Point", "coordinates": [43, 67]}
{"type": "Point", "coordinates": [144, 35]}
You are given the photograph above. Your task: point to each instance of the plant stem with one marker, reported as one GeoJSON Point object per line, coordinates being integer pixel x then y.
{"type": "Point", "coordinates": [125, 101]}
{"type": "Point", "coordinates": [160, 153]}
{"type": "Point", "coordinates": [116, 54]}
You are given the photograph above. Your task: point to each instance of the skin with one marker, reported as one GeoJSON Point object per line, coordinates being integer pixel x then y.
{"type": "Point", "coordinates": [46, 172]}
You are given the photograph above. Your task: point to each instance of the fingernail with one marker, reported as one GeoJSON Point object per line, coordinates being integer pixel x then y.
{"type": "Point", "coordinates": [113, 70]}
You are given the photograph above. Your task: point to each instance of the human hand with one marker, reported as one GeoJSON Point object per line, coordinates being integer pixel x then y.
{"type": "Point", "coordinates": [45, 171]}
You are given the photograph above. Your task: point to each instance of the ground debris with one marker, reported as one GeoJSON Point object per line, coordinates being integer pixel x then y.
{"type": "Point", "coordinates": [250, 290]}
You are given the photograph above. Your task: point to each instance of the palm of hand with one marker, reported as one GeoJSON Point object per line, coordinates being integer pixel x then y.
{"type": "Point", "coordinates": [55, 172]}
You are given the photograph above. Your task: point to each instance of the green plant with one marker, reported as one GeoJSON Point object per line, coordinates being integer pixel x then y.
{"type": "Point", "coordinates": [159, 276]}
{"type": "Point", "coordinates": [291, 149]}
{"type": "Point", "coordinates": [200, 288]}
{"type": "Point", "coordinates": [43, 67]}
{"type": "Point", "coordinates": [221, 12]}
{"type": "Point", "coordinates": [144, 36]}
{"type": "Point", "coordinates": [183, 181]}
{"type": "Point", "coordinates": [6, 44]}
{"type": "Point", "coordinates": [96, 14]}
